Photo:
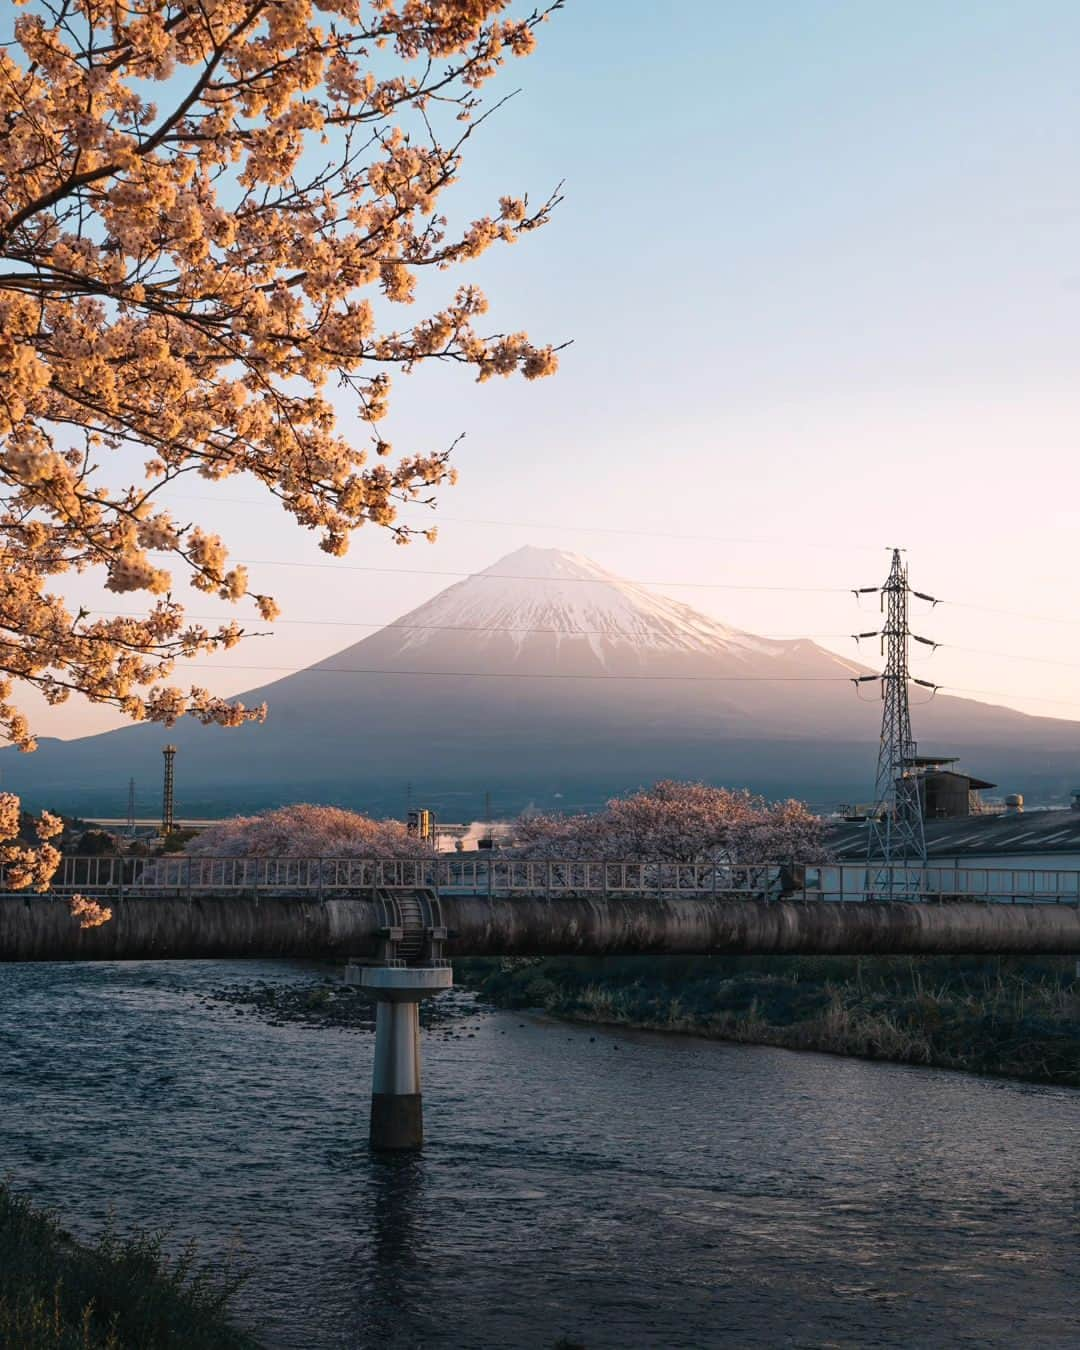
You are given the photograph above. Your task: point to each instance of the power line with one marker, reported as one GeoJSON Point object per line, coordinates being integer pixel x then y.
{"type": "Point", "coordinates": [471, 628]}
{"type": "Point", "coordinates": [600, 581]}
{"type": "Point", "coordinates": [1000, 693]}
{"type": "Point", "coordinates": [581, 632]}
{"type": "Point", "coordinates": [562, 527]}
{"type": "Point", "coordinates": [592, 581]}
{"type": "Point", "coordinates": [1012, 656]}
{"type": "Point", "coordinates": [635, 533]}
{"type": "Point", "coordinates": [527, 675]}
{"type": "Point", "coordinates": [531, 675]}
{"type": "Point", "coordinates": [1012, 613]}
{"type": "Point", "coordinates": [979, 651]}
{"type": "Point", "coordinates": [693, 679]}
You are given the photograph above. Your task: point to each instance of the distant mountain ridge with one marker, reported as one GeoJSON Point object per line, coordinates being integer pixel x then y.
{"type": "Point", "coordinates": [544, 678]}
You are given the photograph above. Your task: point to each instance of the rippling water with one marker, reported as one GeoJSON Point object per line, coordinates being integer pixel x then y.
{"type": "Point", "coordinates": [615, 1189]}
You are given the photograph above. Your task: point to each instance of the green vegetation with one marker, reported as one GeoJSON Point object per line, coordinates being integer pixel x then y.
{"type": "Point", "coordinates": [122, 1293]}
{"type": "Point", "coordinates": [1014, 1017]}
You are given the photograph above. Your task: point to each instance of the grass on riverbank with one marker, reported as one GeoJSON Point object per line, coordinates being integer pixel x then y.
{"type": "Point", "coordinates": [1017, 1018]}
{"type": "Point", "coordinates": [122, 1293]}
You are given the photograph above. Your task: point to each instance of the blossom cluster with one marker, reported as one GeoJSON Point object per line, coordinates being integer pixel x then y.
{"type": "Point", "coordinates": [679, 822]}
{"type": "Point", "coordinates": [304, 831]}
{"type": "Point", "coordinates": [194, 195]}
{"type": "Point", "coordinates": [29, 866]}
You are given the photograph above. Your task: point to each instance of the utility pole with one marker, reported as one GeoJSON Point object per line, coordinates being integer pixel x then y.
{"type": "Point", "coordinates": [895, 834]}
{"type": "Point", "coordinates": [131, 808]}
{"type": "Point", "coordinates": [168, 805]}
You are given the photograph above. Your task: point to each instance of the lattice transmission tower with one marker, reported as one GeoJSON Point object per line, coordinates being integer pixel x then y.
{"type": "Point", "coordinates": [896, 834]}
{"type": "Point", "coordinates": [168, 805]}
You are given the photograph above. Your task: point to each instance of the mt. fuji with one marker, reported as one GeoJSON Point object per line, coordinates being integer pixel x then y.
{"type": "Point", "coordinates": [548, 612]}
{"type": "Point", "coordinates": [544, 678]}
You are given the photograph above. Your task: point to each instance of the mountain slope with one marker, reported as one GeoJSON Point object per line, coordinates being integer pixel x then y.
{"type": "Point", "coordinates": [545, 675]}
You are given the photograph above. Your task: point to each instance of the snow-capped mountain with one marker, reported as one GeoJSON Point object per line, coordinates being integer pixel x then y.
{"type": "Point", "coordinates": [544, 678]}
{"type": "Point", "coordinates": [550, 612]}
{"type": "Point", "coordinates": [538, 593]}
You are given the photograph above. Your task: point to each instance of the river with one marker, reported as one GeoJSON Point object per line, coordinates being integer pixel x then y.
{"type": "Point", "coordinates": [612, 1189]}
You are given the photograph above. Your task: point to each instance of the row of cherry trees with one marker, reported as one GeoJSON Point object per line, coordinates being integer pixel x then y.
{"type": "Point", "coordinates": [671, 822]}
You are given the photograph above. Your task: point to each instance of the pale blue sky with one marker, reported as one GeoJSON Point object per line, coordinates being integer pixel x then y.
{"type": "Point", "coordinates": [820, 263]}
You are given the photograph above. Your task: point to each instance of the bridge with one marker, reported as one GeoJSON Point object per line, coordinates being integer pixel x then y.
{"type": "Point", "coordinates": [396, 923]}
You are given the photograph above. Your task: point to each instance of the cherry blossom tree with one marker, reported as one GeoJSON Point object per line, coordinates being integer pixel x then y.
{"type": "Point", "coordinates": [304, 831]}
{"type": "Point", "coordinates": [25, 864]}
{"type": "Point", "coordinates": [31, 865]}
{"type": "Point", "coordinates": [209, 210]}
{"type": "Point", "coordinates": [680, 822]}
{"type": "Point", "coordinates": [783, 831]}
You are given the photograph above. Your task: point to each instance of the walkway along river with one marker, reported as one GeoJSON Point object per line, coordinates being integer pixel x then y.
{"type": "Point", "coordinates": [613, 1189]}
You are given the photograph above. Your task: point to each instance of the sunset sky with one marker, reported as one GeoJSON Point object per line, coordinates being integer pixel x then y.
{"type": "Point", "coordinates": [820, 265]}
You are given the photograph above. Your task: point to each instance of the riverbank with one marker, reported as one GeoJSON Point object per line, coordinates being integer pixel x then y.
{"type": "Point", "coordinates": [121, 1293]}
{"type": "Point", "coordinates": [323, 1001]}
{"type": "Point", "coordinates": [1007, 1017]}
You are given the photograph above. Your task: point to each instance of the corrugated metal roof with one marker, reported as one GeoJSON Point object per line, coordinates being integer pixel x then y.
{"type": "Point", "coordinates": [1031, 832]}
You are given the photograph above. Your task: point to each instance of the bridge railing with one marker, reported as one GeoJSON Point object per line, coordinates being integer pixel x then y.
{"type": "Point", "coordinates": [562, 876]}
{"type": "Point", "coordinates": [182, 875]}
{"type": "Point", "coordinates": [858, 881]}
{"type": "Point", "coordinates": [186, 875]}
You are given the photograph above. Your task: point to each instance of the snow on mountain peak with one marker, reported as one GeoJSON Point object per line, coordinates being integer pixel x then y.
{"type": "Point", "coordinates": [547, 597]}
{"type": "Point", "coordinates": [547, 564]}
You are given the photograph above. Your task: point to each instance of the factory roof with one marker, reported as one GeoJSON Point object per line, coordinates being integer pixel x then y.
{"type": "Point", "coordinates": [1001, 835]}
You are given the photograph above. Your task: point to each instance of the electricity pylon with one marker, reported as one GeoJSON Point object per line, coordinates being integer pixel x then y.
{"type": "Point", "coordinates": [895, 834]}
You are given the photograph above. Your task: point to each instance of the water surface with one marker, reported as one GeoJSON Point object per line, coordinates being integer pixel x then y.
{"type": "Point", "coordinates": [616, 1189]}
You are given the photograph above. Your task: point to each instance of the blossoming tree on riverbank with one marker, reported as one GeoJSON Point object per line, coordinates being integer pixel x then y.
{"type": "Point", "coordinates": [304, 831]}
{"type": "Point", "coordinates": [680, 822]}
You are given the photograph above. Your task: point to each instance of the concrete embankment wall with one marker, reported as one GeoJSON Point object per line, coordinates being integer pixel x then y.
{"type": "Point", "coordinates": [40, 928]}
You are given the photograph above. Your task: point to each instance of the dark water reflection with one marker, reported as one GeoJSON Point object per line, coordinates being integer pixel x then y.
{"type": "Point", "coordinates": [616, 1190]}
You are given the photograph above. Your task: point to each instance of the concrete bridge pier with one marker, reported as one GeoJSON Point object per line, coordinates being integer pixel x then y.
{"type": "Point", "coordinates": [397, 1114]}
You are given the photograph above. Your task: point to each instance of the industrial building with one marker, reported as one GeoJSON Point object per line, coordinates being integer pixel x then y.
{"type": "Point", "coordinates": [1045, 840]}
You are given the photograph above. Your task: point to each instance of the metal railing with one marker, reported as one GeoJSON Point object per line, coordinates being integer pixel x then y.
{"type": "Point", "coordinates": [322, 878]}
{"type": "Point", "coordinates": [1003, 885]}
